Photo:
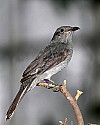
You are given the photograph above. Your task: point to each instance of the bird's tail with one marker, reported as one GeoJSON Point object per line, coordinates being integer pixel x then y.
{"type": "Point", "coordinates": [23, 90]}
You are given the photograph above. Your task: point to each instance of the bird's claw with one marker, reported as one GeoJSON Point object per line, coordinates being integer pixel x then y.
{"type": "Point", "coordinates": [49, 81]}
{"type": "Point", "coordinates": [52, 85]}
{"type": "Point", "coordinates": [49, 85]}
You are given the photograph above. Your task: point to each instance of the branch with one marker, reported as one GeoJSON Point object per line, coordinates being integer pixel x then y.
{"type": "Point", "coordinates": [63, 122]}
{"type": "Point", "coordinates": [78, 94]}
{"type": "Point", "coordinates": [73, 100]}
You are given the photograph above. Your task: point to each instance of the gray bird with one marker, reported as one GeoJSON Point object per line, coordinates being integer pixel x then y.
{"type": "Point", "coordinates": [54, 57]}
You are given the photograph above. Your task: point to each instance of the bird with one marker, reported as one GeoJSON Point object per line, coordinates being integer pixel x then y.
{"type": "Point", "coordinates": [50, 60]}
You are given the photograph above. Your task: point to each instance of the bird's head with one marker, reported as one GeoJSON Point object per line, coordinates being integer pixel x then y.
{"type": "Point", "coordinates": [64, 33]}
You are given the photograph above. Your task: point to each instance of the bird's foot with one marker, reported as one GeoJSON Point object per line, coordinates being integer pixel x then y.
{"type": "Point", "coordinates": [55, 89]}
{"type": "Point", "coordinates": [52, 85]}
{"type": "Point", "coordinates": [49, 85]}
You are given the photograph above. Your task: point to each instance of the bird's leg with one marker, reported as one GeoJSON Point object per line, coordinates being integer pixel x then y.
{"type": "Point", "coordinates": [49, 81]}
{"type": "Point", "coordinates": [51, 85]}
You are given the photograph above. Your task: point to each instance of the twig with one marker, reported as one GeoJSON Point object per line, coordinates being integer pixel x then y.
{"type": "Point", "coordinates": [78, 94]}
{"type": "Point", "coordinates": [73, 102]}
{"type": "Point", "coordinates": [63, 122]}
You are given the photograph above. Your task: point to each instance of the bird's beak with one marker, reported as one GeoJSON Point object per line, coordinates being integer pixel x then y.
{"type": "Point", "coordinates": [75, 28]}
{"type": "Point", "coordinates": [71, 29]}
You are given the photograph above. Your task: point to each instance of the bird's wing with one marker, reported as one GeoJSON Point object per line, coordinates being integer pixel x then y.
{"type": "Point", "coordinates": [51, 56]}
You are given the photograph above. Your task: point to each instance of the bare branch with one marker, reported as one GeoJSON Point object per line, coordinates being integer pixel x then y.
{"type": "Point", "coordinates": [63, 122]}
{"type": "Point", "coordinates": [78, 94]}
{"type": "Point", "coordinates": [73, 102]}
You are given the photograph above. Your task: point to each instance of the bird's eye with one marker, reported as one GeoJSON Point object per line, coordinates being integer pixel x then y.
{"type": "Point", "coordinates": [62, 30]}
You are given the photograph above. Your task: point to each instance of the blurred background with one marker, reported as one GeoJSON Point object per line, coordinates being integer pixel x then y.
{"type": "Point", "coordinates": [27, 26]}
